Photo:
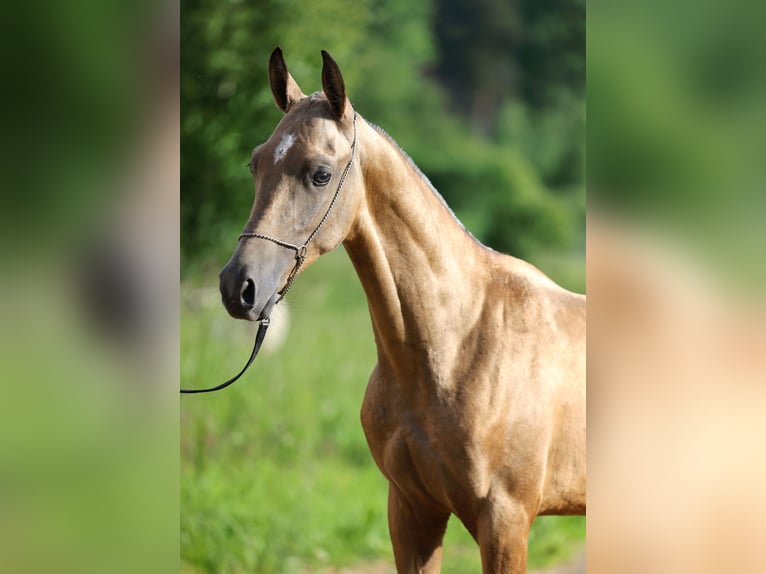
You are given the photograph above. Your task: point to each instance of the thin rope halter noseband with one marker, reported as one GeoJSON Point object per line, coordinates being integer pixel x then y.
{"type": "Point", "coordinates": [300, 257]}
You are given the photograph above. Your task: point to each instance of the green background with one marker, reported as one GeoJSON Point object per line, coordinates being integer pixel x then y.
{"type": "Point", "coordinates": [488, 99]}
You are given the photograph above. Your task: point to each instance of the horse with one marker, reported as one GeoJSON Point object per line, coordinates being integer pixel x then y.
{"type": "Point", "coordinates": [476, 407]}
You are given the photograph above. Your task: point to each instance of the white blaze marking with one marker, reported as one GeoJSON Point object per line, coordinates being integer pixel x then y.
{"type": "Point", "coordinates": [287, 142]}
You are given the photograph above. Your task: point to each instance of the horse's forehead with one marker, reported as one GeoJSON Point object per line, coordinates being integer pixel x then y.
{"type": "Point", "coordinates": [300, 134]}
{"type": "Point", "coordinates": [284, 145]}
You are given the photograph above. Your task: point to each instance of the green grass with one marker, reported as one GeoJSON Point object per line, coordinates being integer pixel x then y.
{"type": "Point", "coordinates": [275, 471]}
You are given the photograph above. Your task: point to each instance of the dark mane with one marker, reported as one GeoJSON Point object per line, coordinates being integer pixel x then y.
{"type": "Point", "coordinates": [423, 176]}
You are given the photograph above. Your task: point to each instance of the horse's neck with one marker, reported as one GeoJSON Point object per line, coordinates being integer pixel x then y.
{"type": "Point", "coordinates": [420, 269]}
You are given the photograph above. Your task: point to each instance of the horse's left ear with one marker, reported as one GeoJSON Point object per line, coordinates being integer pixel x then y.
{"type": "Point", "coordinates": [333, 86]}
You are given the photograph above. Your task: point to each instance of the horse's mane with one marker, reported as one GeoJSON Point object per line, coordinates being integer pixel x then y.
{"type": "Point", "coordinates": [424, 177]}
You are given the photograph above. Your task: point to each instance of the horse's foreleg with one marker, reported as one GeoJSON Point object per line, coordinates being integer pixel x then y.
{"type": "Point", "coordinates": [416, 535]}
{"type": "Point", "coordinates": [503, 530]}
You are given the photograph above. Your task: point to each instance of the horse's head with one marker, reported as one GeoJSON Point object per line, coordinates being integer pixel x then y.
{"type": "Point", "coordinates": [306, 196]}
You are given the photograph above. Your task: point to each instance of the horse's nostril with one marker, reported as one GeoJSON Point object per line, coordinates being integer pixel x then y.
{"type": "Point", "coordinates": [248, 293]}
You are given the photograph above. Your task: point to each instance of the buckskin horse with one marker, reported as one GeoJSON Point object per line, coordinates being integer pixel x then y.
{"type": "Point", "coordinates": [476, 406]}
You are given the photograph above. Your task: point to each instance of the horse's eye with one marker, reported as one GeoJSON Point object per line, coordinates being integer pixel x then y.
{"type": "Point", "coordinates": [321, 177]}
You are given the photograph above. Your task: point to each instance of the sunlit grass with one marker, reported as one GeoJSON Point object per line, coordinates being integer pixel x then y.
{"type": "Point", "coordinates": [276, 474]}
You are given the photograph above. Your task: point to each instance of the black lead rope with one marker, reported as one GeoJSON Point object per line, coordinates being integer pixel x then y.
{"type": "Point", "coordinates": [300, 256]}
{"type": "Point", "coordinates": [259, 337]}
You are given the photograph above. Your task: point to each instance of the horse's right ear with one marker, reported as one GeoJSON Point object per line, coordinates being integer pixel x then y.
{"type": "Point", "coordinates": [285, 89]}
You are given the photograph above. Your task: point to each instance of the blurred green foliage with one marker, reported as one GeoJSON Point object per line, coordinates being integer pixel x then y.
{"type": "Point", "coordinates": [487, 98]}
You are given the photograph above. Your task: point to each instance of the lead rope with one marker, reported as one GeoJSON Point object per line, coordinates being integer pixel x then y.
{"type": "Point", "coordinates": [300, 257]}
{"type": "Point", "coordinates": [259, 337]}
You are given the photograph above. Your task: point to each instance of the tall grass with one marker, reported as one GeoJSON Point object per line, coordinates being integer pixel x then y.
{"type": "Point", "coordinates": [276, 475]}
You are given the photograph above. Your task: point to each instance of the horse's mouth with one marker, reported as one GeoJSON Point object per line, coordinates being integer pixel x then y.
{"type": "Point", "coordinates": [267, 309]}
{"type": "Point", "coordinates": [243, 305]}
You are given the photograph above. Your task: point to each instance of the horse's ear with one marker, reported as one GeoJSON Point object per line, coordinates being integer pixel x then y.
{"type": "Point", "coordinates": [285, 89]}
{"type": "Point", "coordinates": [333, 86]}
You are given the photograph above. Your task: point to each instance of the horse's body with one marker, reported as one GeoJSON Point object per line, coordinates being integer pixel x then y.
{"type": "Point", "coordinates": [477, 404]}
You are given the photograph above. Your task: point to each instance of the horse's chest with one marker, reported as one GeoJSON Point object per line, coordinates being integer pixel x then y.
{"type": "Point", "coordinates": [417, 449]}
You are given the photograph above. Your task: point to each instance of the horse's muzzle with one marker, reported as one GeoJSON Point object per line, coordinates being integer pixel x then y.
{"type": "Point", "coordinates": [238, 291]}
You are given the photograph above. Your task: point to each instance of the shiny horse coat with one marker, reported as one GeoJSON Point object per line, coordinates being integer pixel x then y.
{"type": "Point", "coordinates": [477, 404]}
